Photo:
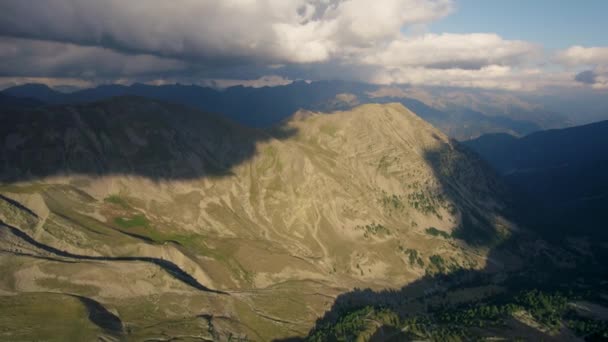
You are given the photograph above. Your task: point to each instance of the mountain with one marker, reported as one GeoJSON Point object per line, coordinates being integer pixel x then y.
{"type": "Point", "coordinates": [258, 107]}
{"type": "Point", "coordinates": [585, 105]}
{"type": "Point", "coordinates": [7, 102]}
{"type": "Point", "coordinates": [494, 104]}
{"type": "Point", "coordinates": [266, 106]}
{"type": "Point", "coordinates": [462, 123]}
{"type": "Point", "coordinates": [40, 92]}
{"type": "Point", "coordinates": [564, 172]}
{"type": "Point", "coordinates": [136, 219]}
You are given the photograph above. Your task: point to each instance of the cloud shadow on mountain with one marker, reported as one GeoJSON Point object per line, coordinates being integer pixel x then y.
{"type": "Point", "coordinates": [124, 136]}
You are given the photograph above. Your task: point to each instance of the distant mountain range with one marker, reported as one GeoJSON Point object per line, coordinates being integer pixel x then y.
{"type": "Point", "coordinates": [261, 107]}
{"type": "Point", "coordinates": [564, 172]}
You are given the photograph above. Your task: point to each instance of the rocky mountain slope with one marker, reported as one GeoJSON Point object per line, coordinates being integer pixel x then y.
{"type": "Point", "coordinates": [132, 218]}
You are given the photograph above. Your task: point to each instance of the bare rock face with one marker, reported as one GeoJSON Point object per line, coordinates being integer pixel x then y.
{"type": "Point", "coordinates": [178, 223]}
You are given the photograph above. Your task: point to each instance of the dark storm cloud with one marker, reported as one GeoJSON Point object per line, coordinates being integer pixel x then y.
{"type": "Point", "coordinates": [237, 31]}
{"type": "Point", "coordinates": [587, 77]}
{"type": "Point", "coordinates": [28, 58]}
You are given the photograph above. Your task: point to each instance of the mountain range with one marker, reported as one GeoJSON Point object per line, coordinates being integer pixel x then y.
{"type": "Point", "coordinates": [167, 218]}
{"type": "Point", "coordinates": [133, 218]}
{"type": "Point", "coordinates": [461, 117]}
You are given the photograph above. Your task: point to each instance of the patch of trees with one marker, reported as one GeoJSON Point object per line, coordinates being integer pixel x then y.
{"type": "Point", "coordinates": [589, 329]}
{"type": "Point", "coordinates": [354, 325]}
{"type": "Point", "coordinates": [373, 229]}
{"type": "Point", "coordinates": [455, 323]}
{"type": "Point", "coordinates": [436, 232]}
{"type": "Point", "coordinates": [423, 203]}
{"type": "Point", "coordinates": [392, 202]}
{"type": "Point", "coordinates": [546, 308]}
{"type": "Point", "coordinates": [438, 265]}
{"type": "Point", "coordinates": [413, 256]}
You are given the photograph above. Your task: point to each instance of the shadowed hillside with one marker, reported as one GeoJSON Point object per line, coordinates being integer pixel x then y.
{"type": "Point", "coordinates": [125, 135]}
{"type": "Point", "coordinates": [536, 300]}
{"type": "Point", "coordinates": [526, 291]}
{"type": "Point", "coordinates": [8, 102]}
{"type": "Point", "coordinates": [561, 174]}
{"type": "Point", "coordinates": [257, 107]}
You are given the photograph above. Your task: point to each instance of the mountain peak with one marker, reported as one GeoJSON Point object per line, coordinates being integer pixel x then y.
{"type": "Point", "coordinates": [369, 197]}
{"type": "Point", "coordinates": [31, 86]}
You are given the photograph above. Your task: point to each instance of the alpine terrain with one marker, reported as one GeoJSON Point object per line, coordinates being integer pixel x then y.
{"type": "Point", "coordinates": [136, 219]}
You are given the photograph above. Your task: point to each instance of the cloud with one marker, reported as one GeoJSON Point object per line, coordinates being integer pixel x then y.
{"type": "Point", "coordinates": [449, 51]}
{"type": "Point", "coordinates": [594, 57]}
{"type": "Point", "coordinates": [596, 78]}
{"type": "Point", "coordinates": [578, 55]}
{"type": "Point", "coordinates": [7, 82]}
{"type": "Point", "coordinates": [35, 58]}
{"type": "Point", "coordinates": [264, 81]}
{"type": "Point", "coordinates": [587, 76]}
{"type": "Point", "coordinates": [488, 77]}
{"type": "Point", "coordinates": [268, 42]}
{"type": "Point", "coordinates": [227, 31]}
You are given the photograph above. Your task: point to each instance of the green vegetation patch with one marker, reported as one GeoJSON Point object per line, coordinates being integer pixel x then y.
{"type": "Point", "coordinates": [546, 308]}
{"type": "Point", "coordinates": [477, 230]}
{"type": "Point", "coordinates": [117, 200]}
{"type": "Point", "coordinates": [359, 325]}
{"type": "Point", "coordinates": [414, 256]}
{"type": "Point", "coordinates": [392, 202]}
{"type": "Point", "coordinates": [375, 229]}
{"type": "Point", "coordinates": [132, 222]}
{"type": "Point", "coordinates": [426, 202]}
{"type": "Point", "coordinates": [45, 317]}
{"type": "Point", "coordinates": [436, 232]}
{"type": "Point", "coordinates": [385, 163]}
{"type": "Point", "coordinates": [591, 329]}
{"type": "Point", "coordinates": [439, 265]}
{"type": "Point", "coordinates": [460, 322]}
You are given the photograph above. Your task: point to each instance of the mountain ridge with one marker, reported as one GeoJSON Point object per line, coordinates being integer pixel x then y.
{"type": "Point", "coordinates": [266, 106]}
{"type": "Point", "coordinates": [404, 196]}
{"type": "Point", "coordinates": [560, 174]}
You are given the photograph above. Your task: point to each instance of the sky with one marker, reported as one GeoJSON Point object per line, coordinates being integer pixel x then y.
{"type": "Point", "coordinates": [556, 24]}
{"type": "Point", "coordinates": [515, 45]}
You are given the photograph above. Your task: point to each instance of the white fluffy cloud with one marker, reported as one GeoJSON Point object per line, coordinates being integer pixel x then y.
{"type": "Point", "coordinates": [593, 59]}
{"type": "Point", "coordinates": [241, 41]}
{"type": "Point", "coordinates": [445, 51]}
{"type": "Point", "coordinates": [226, 31]}
{"type": "Point", "coordinates": [488, 77]}
{"type": "Point", "coordinates": [578, 55]}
